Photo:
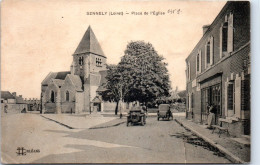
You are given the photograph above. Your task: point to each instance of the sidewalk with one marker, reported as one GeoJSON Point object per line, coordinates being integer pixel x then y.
{"type": "Point", "coordinates": [234, 151]}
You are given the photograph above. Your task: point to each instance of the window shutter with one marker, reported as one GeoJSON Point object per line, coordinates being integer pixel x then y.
{"type": "Point", "coordinates": [211, 50]}
{"type": "Point", "coordinates": [196, 64]}
{"type": "Point", "coordinates": [238, 97]}
{"type": "Point", "coordinates": [200, 68]}
{"type": "Point", "coordinates": [226, 98]}
{"type": "Point", "coordinates": [230, 33]}
{"type": "Point", "coordinates": [187, 105]}
{"type": "Point", "coordinates": [186, 72]}
{"type": "Point", "coordinates": [206, 56]}
{"type": "Point", "coordinates": [189, 70]}
{"type": "Point", "coordinates": [220, 41]}
{"type": "Point", "coordinates": [230, 96]}
{"type": "Point", "coordinates": [189, 102]}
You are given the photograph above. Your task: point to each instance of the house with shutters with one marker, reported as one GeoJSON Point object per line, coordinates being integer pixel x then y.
{"type": "Point", "coordinates": [76, 91]}
{"type": "Point", "coordinates": [218, 70]}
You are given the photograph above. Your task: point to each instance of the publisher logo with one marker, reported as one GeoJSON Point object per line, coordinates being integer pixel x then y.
{"type": "Point", "coordinates": [21, 151]}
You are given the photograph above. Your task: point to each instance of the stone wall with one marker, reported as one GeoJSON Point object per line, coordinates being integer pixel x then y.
{"type": "Point", "coordinates": [14, 108]}
{"type": "Point", "coordinates": [68, 107]}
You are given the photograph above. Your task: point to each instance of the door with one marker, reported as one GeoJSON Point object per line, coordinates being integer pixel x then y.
{"type": "Point", "coordinates": [216, 100]}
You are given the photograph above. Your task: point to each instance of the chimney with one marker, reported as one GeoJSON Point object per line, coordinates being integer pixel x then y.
{"type": "Point", "coordinates": [205, 28]}
{"type": "Point", "coordinates": [14, 94]}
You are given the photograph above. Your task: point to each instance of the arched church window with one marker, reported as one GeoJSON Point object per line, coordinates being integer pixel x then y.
{"type": "Point", "coordinates": [67, 96]}
{"type": "Point", "coordinates": [52, 97]}
{"type": "Point", "coordinates": [81, 61]}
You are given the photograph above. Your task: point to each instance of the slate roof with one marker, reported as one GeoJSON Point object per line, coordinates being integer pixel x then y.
{"type": "Point", "coordinates": [89, 44]}
{"type": "Point", "coordinates": [55, 75]}
{"type": "Point", "coordinates": [76, 81]}
{"type": "Point", "coordinates": [49, 77]}
{"type": "Point", "coordinates": [62, 75]}
{"type": "Point", "coordinates": [6, 95]}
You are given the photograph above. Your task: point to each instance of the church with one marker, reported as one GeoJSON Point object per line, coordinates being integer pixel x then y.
{"type": "Point", "coordinates": [76, 91]}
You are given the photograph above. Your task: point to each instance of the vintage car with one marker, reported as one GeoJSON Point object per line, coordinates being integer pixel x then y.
{"type": "Point", "coordinates": [136, 116]}
{"type": "Point", "coordinates": [164, 112]}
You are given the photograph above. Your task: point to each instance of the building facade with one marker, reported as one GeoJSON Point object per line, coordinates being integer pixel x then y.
{"type": "Point", "coordinates": [76, 91]}
{"type": "Point", "coordinates": [12, 103]}
{"type": "Point", "coordinates": [33, 104]}
{"type": "Point", "coordinates": [218, 70]}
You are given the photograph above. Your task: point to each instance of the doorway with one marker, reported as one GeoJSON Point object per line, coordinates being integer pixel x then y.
{"type": "Point", "coordinates": [97, 107]}
{"type": "Point", "coordinates": [211, 95]}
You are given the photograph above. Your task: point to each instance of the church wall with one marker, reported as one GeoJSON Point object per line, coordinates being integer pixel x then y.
{"type": "Point", "coordinates": [86, 65]}
{"type": "Point", "coordinates": [86, 98]}
{"type": "Point", "coordinates": [68, 107]}
{"type": "Point", "coordinates": [94, 84]}
{"type": "Point", "coordinates": [49, 106]}
{"type": "Point", "coordinates": [93, 90]}
{"type": "Point", "coordinates": [94, 66]}
{"type": "Point", "coordinates": [67, 86]}
{"type": "Point", "coordinates": [50, 88]}
{"type": "Point", "coordinates": [79, 104]}
{"type": "Point", "coordinates": [44, 87]}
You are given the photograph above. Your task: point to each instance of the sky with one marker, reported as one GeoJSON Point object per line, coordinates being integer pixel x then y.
{"type": "Point", "coordinates": [38, 37]}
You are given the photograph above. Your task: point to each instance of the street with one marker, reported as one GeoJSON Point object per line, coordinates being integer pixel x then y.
{"type": "Point", "coordinates": [156, 142]}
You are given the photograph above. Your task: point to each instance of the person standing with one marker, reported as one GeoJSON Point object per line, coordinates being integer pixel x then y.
{"type": "Point", "coordinates": [5, 108]}
{"type": "Point", "coordinates": [211, 116]}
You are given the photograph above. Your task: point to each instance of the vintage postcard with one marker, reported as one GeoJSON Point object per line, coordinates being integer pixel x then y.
{"type": "Point", "coordinates": [90, 81]}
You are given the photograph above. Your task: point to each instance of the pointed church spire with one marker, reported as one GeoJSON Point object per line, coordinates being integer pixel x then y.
{"type": "Point", "coordinates": [89, 44]}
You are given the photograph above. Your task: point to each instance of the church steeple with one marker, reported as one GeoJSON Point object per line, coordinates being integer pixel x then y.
{"type": "Point", "coordinates": [89, 44]}
{"type": "Point", "coordinates": [88, 57]}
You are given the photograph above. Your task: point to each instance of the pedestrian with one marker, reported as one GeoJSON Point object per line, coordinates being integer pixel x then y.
{"type": "Point", "coordinates": [5, 108]}
{"type": "Point", "coordinates": [23, 111]}
{"type": "Point", "coordinates": [144, 108]}
{"type": "Point", "coordinates": [211, 116]}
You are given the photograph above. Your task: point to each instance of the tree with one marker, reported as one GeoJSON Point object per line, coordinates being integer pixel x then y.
{"type": "Point", "coordinates": [116, 88]}
{"type": "Point", "coordinates": [143, 73]}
